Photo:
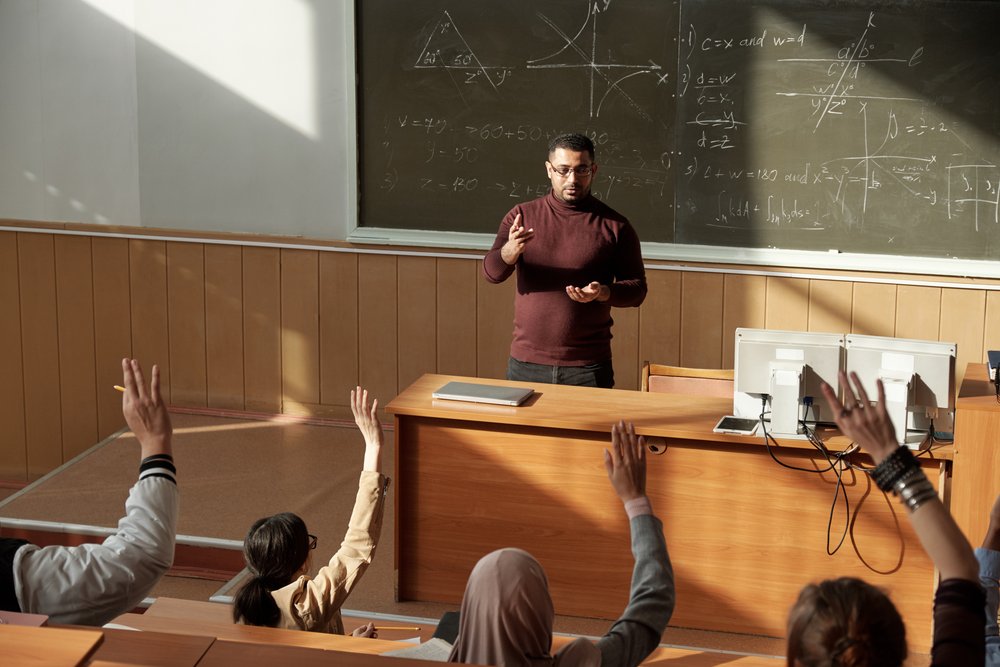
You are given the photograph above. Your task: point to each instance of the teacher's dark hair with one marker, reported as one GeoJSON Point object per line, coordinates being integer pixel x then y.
{"type": "Point", "coordinates": [574, 142]}
{"type": "Point", "coordinates": [275, 549]}
{"type": "Point", "coordinates": [845, 622]}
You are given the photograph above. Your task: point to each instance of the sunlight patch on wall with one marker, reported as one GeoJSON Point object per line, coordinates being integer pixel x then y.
{"type": "Point", "coordinates": [263, 51]}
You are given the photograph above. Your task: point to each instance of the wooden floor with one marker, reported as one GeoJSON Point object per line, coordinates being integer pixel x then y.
{"type": "Point", "coordinates": [232, 471]}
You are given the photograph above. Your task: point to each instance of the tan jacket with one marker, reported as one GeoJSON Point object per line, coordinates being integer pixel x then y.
{"type": "Point", "coordinates": [314, 604]}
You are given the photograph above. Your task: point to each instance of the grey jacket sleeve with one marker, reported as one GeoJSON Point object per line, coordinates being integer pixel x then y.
{"type": "Point", "coordinates": [651, 601]}
{"type": "Point", "coordinates": [93, 583]}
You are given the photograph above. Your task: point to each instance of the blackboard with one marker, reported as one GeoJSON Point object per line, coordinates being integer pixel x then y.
{"type": "Point", "coordinates": [863, 127]}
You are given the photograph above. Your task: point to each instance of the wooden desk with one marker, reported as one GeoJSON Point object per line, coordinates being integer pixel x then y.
{"type": "Point", "coordinates": [208, 619]}
{"type": "Point", "coordinates": [232, 654]}
{"type": "Point", "coordinates": [976, 471]}
{"type": "Point", "coordinates": [744, 534]}
{"type": "Point", "coordinates": [26, 646]}
{"type": "Point", "coordinates": [150, 649]}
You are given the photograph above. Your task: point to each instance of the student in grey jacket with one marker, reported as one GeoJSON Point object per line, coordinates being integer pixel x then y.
{"type": "Point", "coordinates": [91, 584]}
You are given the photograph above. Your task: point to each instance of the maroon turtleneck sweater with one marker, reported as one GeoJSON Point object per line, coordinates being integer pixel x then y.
{"type": "Point", "coordinates": [574, 244]}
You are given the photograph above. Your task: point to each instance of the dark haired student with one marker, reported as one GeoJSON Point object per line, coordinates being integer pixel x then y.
{"type": "Point", "coordinates": [91, 584]}
{"type": "Point", "coordinates": [850, 623]}
{"type": "Point", "coordinates": [575, 258]}
{"type": "Point", "coordinates": [278, 552]}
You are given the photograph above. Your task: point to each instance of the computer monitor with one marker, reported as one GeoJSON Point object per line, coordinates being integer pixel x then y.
{"type": "Point", "coordinates": [780, 372]}
{"type": "Point", "coordinates": [919, 380]}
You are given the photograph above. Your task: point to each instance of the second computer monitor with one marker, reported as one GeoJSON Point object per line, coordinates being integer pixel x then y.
{"type": "Point", "coordinates": [919, 381]}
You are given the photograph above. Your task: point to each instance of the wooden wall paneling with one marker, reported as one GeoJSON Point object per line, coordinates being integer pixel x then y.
{"type": "Point", "coordinates": [13, 453]}
{"type": "Point", "coordinates": [787, 306]}
{"type": "Point", "coordinates": [659, 319]}
{"type": "Point", "coordinates": [186, 318]}
{"type": "Point", "coordinates": [224, 326]}
{"type": "Point", "coordinates": [78, 386]}
{"type": "Point", "coordinates": [494, 324]}
{"type": "Point", "coordinates": [456, 316]}
{"type": "Point", "coordinates": [40, 352]}
{"type": "Point", "coordinates": [991, 332]}
{"type": "Point", "coordinates": [874, 311]}
{"type": "Point", "coordinates": [299, 330]}
{"type": "Point", "coordinates": [112, 327]}
{"type": "Point", "coordinates": [743, 304]}
{"type": "Point", "coordinates": [830, 305]}
{"type": "Point", "coordinates": [377, 326]}
{"type": "Point", "coordinates": [702, 299]}
{"type": "Point", "coordinates": [918, 313]}
{"type": "Point", "coordinates": [417, 292]}
{"type": "Point", "coordinates": [148, 289]}
{"type": "Point", "coordinates": [262, 329]}
{"type": "Point", "coordinates": [963, 321]}
{"type": "Point", "coordinates": [338, 326]}
{"type": "Point", "coordinates": [625, 348]}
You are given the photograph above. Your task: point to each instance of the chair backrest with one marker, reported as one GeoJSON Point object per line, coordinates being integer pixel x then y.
{"type": "Point", "coordinates": [680, 380]}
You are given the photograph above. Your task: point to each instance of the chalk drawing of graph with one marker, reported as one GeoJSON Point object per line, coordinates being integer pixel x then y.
{"type": "Point", "coordinates": [447, 49]}
{"type": "Point", "coordinates": [606, 78]}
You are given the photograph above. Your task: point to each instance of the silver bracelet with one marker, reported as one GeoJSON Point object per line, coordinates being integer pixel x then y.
{"type": "Point", "coordinates": [915, 490]}
{"type": "Point", "coordinates": [919, 499]}
{"type": "Point", "coordinates": [913, 475]}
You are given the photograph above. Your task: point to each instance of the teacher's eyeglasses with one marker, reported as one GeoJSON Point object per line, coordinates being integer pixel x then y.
{"type": "Point", "coordinates": [582, 171]}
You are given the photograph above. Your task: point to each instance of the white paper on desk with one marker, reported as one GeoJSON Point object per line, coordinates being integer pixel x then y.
{"type": "Point", "coordinates": [433, 649]}
{"type": "Point", "coordinates": [119, 626]}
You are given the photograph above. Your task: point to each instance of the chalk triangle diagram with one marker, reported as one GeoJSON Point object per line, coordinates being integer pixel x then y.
{"type": "Point", "coordinates": [446, 48]}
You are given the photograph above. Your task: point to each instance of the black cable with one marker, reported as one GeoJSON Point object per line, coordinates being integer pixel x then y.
{"type": "Point", "coordinates": [836, 462]}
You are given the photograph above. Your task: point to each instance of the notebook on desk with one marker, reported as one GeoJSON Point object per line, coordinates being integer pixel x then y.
{"type": "Point", "coordinates": [483, 393]}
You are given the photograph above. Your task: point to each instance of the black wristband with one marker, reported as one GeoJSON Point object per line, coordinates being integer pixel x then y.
{"type": "Point", "coordinates": [894, 467]}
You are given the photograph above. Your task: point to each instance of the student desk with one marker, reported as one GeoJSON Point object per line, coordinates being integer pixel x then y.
{"type": "Point", "coordinates": [186, 617]}
{"type": "Point", "coordinates": [744, 534]}
{"type": "Point", "coordinates": [26, 645]}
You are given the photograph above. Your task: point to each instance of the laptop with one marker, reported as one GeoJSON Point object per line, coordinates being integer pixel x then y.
{"type": "Point", "coordinates": [483, 393]}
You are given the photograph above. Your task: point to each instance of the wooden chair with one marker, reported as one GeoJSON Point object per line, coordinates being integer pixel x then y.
{"type": "Point", "coordinates": [680, 380]}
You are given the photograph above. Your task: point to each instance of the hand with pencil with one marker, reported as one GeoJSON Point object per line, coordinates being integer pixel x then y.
{"type": "Point", "coordinates": [144, 409]}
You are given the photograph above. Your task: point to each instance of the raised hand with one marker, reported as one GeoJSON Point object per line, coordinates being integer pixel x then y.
{"type": "Point", "coordinates": [865, 424]}
{"type": "Point", "coordinates": [590, 292]}
{"type": "Point", "coordinates": [144, 410]}
{"type": "Point", "coordinates": [517, 239]}
{"type": "Point", "coordinates": [625, 463]}
{"type": "Point", "coordinates": [367, 420]}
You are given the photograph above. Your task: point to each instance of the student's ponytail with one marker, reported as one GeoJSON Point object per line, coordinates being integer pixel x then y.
{"type": "Point", "coordinates": [274, 549]}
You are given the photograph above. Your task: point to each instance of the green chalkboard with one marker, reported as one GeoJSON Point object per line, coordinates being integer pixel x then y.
{"type": "Point", "coordinates": [458, 102]}
{"type": "Point", "coordinates": [865, 127]}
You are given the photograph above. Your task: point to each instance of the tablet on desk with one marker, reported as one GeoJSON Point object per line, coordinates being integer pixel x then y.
{"type": "Point", "coordinates": [483, 393]}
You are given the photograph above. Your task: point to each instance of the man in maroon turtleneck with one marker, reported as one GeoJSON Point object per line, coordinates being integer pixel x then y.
{"type": "Point", "coordinates": [575, 257]}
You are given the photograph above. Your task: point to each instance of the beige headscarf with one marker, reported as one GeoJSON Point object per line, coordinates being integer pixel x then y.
{"type": "Point", "coordinates": [506, 617]}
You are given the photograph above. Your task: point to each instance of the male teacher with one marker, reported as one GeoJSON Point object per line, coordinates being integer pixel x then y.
{"type": "Point", "coordinates": [576, 257]}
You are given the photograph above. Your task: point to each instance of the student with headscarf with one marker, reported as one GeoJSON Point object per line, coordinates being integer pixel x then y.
{"type": "Point", "coordinates": [506, 614]}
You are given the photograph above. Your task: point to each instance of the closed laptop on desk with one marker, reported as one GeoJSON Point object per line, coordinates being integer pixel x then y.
{"type": "Point", "coordinates": [483, 393]}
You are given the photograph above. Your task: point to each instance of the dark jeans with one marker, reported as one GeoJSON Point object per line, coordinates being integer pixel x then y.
{"type": "Point", "coordinates": [601, 374]}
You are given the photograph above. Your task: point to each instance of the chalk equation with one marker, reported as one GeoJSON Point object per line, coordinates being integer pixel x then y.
{"type": "Point", "coordinates": [794, 126]}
